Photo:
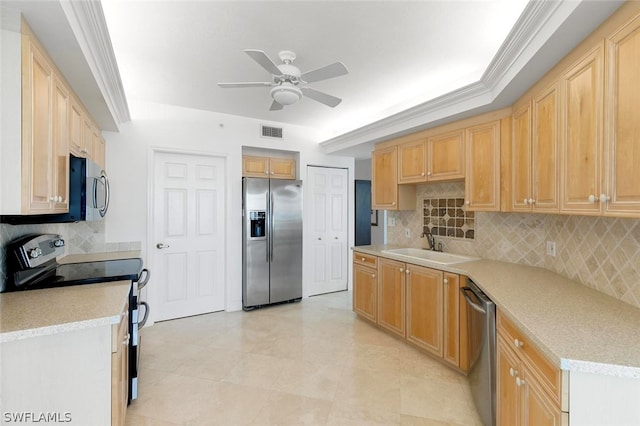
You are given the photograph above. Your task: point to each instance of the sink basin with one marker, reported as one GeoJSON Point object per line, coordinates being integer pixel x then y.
{"type": "Point", "coordinates": [431, 256]}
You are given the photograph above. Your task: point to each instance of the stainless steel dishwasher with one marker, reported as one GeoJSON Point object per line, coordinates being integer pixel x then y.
{"type": "Point", "coordinates": [481, 323]}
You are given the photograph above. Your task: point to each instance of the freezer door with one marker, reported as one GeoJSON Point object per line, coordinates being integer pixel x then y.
{"type": "Point", "coordinates": [255, 262]}
{"type": "Point", "coordinates": [286, 240]}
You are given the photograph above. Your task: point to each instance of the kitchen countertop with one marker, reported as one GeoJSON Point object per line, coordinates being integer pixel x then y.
{"type": "Point", "coordinates": [26, 314]}
{"type": "Point", "coordinates": [577, 327]}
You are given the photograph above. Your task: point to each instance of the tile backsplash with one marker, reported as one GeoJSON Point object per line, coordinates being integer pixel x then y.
{"type": "Point", "coordinates": [448, 217]}
{"type": "Point", "coordinates": [599, 252]}
{"type": "Point", "coordinates": [81, 237]}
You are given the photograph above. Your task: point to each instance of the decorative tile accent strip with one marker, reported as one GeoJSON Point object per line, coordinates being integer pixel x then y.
{"type": "Point", "coordinates": [447, 217]}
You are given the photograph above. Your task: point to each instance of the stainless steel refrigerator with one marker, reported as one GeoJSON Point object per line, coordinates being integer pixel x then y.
{"type": "Point", "coordinates": [272, 241]}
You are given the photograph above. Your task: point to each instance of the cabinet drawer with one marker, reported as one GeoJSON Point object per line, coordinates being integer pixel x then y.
{"type": "Point", "coordinates": [365, 259]}
{"type": "Point", "coordinates": [549, 375]}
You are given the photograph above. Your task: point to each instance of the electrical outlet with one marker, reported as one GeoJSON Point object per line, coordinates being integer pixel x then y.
{"type": "Point", "coordinates": [551, 248]}
{"type": "Point", "coordinates": [391, 221]}
{"type": "Point", "coordinates": [407, 232]}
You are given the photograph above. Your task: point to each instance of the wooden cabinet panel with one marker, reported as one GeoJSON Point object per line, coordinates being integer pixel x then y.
{"type": "Point", "coordinates": [537, 408]}
{"type": "Point", "coordinates": [98, 150]}
{"type": "Point", "coordinates": [384, 181]}
{"type": "Point", "coordinates": [521, 159]}
{"type": "Point", "coordinates": [425, 308]}
{"type": "Point", "coordinates": [445, 157]}
{"type": "Point", "coordinates": [120, 369]}
{"type": "Point", "coordinates": [365, 259]}
{"type": "Point", "coordinates": [365, 292]}
{"type": "Point", "coordinates": [60, 149]}
{"type": "Point", "coordinates": [544, 147]}
{"type": "Point", "coordinates": [391, 295]}
{"type": "Point", "coordinates": [412, 162]}
{"type": "Point", "coordinates": [282, 168]}
{"type": "Point", "coordinates": [623, 126]}
{"type": "Point", "coordinates": [87, 137]}
{"type": "Point", "coordinates": [482, 181]}
{"type": "Point", "coordinates": [508, 404]}
{"type": "Point", "coordinates": [76, 129]}
{"type": "Point", "coordinates": [255, 166]}
{"type": "Point", "coordinates": [451, 325]}
{"type": "Point", "coordinates": [581, 138]}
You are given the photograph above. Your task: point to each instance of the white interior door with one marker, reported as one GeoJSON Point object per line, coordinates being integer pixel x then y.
{"type": "Point", "coordinates": [329, 218]}
{"type": "Point", "coordinates": [189, 239]}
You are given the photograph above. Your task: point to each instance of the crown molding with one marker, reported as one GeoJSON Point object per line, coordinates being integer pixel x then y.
{"type": "Point", "coordinates": [89, 27]}
{"type": "Point", "coordinates": [536, 25]}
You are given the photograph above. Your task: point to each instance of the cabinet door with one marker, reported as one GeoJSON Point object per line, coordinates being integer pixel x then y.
{"type": "Point", "coordinates": [581, 125]}
{"type": "Point", "coordinates": [365, 292]}
{"type": "Point", "coordinates": [255, 166]}
{"type": "Point", "coordinates": [120, 369]}
{"type": "Point", "coordinates": [521, 159]}
{"type": "Point", "coordinates": [412, 162]}
{"type": "Point", "coordinates": [482, 182]}
{"type": "Point", "coordinates": [507, 392]}
{"type": "Point", "coordinates": [544, 148]}
{"type": "Point", "coordinates": [87, 137]}
{"type": "Point", "coordinates": [60, 149]}
{"type": "Point", "coordinates": [445, 157]}
{"type": "Point", "coordinates": [451, 326]}
{"type": "Point", "coordinates": [425, 308]}
{"type": "Point", "coordinates": [384, 185]}
{"type": "Point", "coordinates": [76, 129]}
{"type": "Point", "coordinates": [623, 135]}
{"type": "Point", "coordinates": [391, 295]}
{"type": "Point", "coordinates": [37, 143]}
{"type": "Point", "coordinates": [98, 148]}
{"type": "Point", "coordinates": [537, 408]}
{"type": "Point", "coordinates": [282, 168]}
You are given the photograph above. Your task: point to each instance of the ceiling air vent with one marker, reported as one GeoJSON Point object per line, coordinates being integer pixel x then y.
{"type": "Point", "coordinates": [271, 132]}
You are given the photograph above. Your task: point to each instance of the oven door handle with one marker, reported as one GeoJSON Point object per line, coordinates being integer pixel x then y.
{"type": "Point", "coordinates": [146, 314]}
{"type": "Point", "coordinates": [474, 305]}
{"type": "Point", "coordinates": [144, 278]}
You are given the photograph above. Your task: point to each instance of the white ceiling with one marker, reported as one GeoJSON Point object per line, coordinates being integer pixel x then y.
{"type": "Point", "coordinates": [399, 54]}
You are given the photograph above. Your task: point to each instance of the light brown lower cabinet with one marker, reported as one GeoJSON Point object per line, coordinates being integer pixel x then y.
{"type": "Point", "coordinates": [120, 368]}
{"type": "Point", "coordinates": [414, 302]}
{"type": "Point", "coordinates": [529, 388]}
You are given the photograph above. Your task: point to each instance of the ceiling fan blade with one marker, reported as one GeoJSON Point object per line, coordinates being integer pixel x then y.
{"type": "Point", "coordinates": [321, 97]}
{"type": "Point", "coordinates": [275, 106]}
{"type": "Point", "coordinates": [261, 58]}
{"type": "Point", "coordinates": [324, 73]}
{"type": "Point", "coordinates": [247, 84]}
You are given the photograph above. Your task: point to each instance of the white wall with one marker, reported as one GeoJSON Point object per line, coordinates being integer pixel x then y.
{"type": "Point", "coordinates": [378, 233]}
{"type": "Point", "coordinates": [157, 127]}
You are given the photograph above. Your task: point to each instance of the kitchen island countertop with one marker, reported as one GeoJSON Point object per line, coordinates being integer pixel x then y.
{"type": "Point", "coordinates": [577, 327]}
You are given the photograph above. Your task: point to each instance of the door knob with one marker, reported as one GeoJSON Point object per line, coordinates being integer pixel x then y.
{"type": "Point", "coordinates": [162, 246]}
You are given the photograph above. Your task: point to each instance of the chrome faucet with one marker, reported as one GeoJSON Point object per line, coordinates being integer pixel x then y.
{"type": "Point", "coordinates": [431, 241]}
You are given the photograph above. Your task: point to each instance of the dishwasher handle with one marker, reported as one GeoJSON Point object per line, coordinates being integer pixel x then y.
{"type": "Point", "coordinates": [465, 292]}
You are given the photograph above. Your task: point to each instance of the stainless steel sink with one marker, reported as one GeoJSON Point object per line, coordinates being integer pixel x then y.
{"type": "Point", "coordinates": [431, 256]}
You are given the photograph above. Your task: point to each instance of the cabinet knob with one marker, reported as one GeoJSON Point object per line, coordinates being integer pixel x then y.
{"type": "Point", "coordinates": [401, 269]}
{"type": "Point", "coordinates": [52, 198]}
{"type": "Point", "coordinates": [373, 275]}
{"type": "Point", "coordinates": [428, 173]}
{"type": "Point", "coordinates": [519, 381]}
{"type": "Point", "coordinates": [526, 201]}
{"type": "Point", "coordinates": [518, 343]}
{"type": "Point", "coordinates": [512, 372]}
{"type": "Point", "coordinates": [362, 259]}
{"type": "Point", "coordinates": [446, 281]}
{"type": "Point", "coordinates": [393, 203]}
{"type": "Point", "coordinates": [468, 202]}
{"type": "Point", "coordinates": [126, 339]}
{"type": "Point", "coordinates": [422, 174]}
{"type": "Point", "coordinates": [592, 199]}
{"type": "Point", "coordinates": [532, 201]}
{"type": "Point", "coordinates": [407, 272]}
{"type": "Point", "coordinates": [272, 173]}
{"type": "Point", "coordinates": [604, 198]}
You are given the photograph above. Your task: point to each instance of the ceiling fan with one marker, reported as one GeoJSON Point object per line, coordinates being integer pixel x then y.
{"type": "Point", "coordinates": [286, 78]}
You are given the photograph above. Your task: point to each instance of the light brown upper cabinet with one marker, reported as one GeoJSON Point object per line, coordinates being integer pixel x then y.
{"type": "Point", "coordinates": [268, 167]}
{"type": "Point", "coordinates": [432, 159]}
{"type": "Point", "coordinates": [581, 138]}
{"type": "Point", "coordinates": [76, 129]}
{"type": "Point", "coordinates": [98, 148]}
{"type": "Point", "coordinates": [386, 194]}
{"type": "Point", "coordinates": [622, 140]}
{"type": "Point", "coordinates": [445, 156]}
{"type": "Point", "coordinates": [45, 114]}
{"type": "Point", "coordinates": [535, 154]}
{"type": "Point", "coordinates": [482, 181]}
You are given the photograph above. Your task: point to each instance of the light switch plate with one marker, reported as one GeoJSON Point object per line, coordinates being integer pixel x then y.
{"type": "Point", "coordinates": [551, 248]}
{"type": "Point", "coordinates": [391, 221]}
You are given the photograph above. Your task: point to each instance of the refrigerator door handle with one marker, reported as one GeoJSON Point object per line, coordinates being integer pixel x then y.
{"type": "Point", "coordinates": [268, 226]}
{"type": "Point", "coordinates": [271, 206]}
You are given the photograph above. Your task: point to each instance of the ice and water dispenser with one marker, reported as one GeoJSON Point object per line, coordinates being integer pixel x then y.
{"type": "Point", "coordinates": [257, 223]}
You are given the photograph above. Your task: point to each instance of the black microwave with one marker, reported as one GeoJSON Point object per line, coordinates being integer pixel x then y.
{"type": "Point", "coordinates": [88, 196]}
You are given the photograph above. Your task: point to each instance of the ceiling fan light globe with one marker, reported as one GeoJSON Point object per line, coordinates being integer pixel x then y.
{"type": "Point", "coordinates": [286, 94]}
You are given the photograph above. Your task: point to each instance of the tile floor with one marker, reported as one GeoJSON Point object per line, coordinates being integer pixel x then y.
{"type": "Point", "coordinates": [312, 362]}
